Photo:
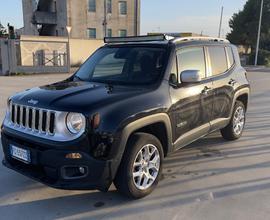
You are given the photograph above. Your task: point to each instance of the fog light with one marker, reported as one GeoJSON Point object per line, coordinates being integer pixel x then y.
{"type": "Point", "coordinates": [82, 170]}
{"type": "Point", "coordinates": [73, 156]}
{"type": "Point", "coordinates": [74, 172]}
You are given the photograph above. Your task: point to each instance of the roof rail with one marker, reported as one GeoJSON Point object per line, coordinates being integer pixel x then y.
{"type": "Point", "coordinates": [162, 37]}
{"type": "Point", "coordinates": [182, 39]}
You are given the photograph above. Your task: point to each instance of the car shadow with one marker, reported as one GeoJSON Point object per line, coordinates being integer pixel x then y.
{"type": "Point", "coordinates": [96, 205]}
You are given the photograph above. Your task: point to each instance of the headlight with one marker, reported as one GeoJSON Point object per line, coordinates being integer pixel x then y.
{"type": "Point", "coordinates": [75, 122]}
{"type": "Point", "coordinates": [8, 105]}
{"type": "Point", "coordinates": [8, 102]}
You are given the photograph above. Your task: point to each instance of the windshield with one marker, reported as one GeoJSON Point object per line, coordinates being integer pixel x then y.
{"type": "Point", "coordinates": [124, 65]}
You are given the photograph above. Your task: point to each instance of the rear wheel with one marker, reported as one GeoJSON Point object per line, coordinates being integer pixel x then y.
{"type": "Point", "coordinates": [141, 166]}
{"type": "Point", "coordinates": [235, 128]}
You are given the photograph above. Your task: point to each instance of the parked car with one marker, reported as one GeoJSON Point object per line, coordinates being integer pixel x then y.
{"type": "Point", "coordinates": [135, 101]}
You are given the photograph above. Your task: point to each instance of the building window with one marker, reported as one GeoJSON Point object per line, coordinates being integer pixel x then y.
{"type": "Point", "coordinates": [122, 33]}
{"type": "Point", "coordinates": [92, 33]}
{"type": "Point", "coordinates": [122, 7]}
{"type": "Point", "coordinates": [109, 6]}
{"type": "Point", "coordinates": [109, 32]}
{"type": "Point", "coordinates": [92, 5]}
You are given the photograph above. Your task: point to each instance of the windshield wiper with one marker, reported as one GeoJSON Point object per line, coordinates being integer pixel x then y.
{"type": "Point", "coordinates": [109, 87]}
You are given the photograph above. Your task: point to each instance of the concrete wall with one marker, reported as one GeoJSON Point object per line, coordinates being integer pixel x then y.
{"type": "Point", "coordinates": [17, 55]}
{"type": "Point", "coordinates": [62, 22]}
{"type": "Point", "coordinates": [4, 57]}
{"type": "Point", "coordinates": [28, 7]}
{"type": "Point", "coordinates": [80, 49]}
{"type": "Point", "coordinates": [8, 56]}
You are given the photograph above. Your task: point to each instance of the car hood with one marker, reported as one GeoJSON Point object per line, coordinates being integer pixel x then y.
{"type": "Point", "coordinates": [75, 96]}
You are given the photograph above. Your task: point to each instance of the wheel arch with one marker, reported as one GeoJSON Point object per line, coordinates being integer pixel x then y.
{"type": "Point", "coordinates": [242, 95]}
{"type": "Point", "coordinates": [152, 125]}
{"type": "Point", "coordinates": [244, 99]}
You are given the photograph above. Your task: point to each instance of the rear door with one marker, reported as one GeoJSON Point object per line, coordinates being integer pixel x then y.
{"type": "Point", "coordinates": [221, 67]}
{"type": "Point", "coordinates": [192, 103]}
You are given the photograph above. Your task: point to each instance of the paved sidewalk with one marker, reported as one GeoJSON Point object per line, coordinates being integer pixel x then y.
{"type": "Point", "coordinates": [9, 85]}
{"type": "Point", "coordinates": [257, 69]}
{"type": "Point", "coordinates": [211, 179]}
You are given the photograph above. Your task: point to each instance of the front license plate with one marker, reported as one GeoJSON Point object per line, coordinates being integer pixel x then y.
{"type": "Point", "coordinates": [20, 154]}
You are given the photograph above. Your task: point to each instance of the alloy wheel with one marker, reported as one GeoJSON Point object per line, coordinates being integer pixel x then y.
{"type": "Point", "coordinates": [239, 120]}
{"type": "Point", "coordinates": [146, 167]}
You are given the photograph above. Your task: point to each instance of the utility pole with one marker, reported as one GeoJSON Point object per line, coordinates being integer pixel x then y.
{"type": "Point", "coordinates": [105, 19]}
{"type": "Point", "coordinates": [220, 24]}
{"type": "Point", "coordinates": [259, 36]}
{"type": "Point", "coordinates": [136, 18]}
{"type": "Point", "coordinates": [68, 47]}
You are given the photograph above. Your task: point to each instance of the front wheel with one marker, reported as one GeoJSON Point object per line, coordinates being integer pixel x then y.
{"type": "Point", "coordinates": [141, 166]}
{"type": "Point", "coordinates": [235, 128]}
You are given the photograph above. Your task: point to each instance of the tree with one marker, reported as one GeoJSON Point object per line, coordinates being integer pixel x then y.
{"type": "Point", "coordinates": [3, 31]}
{"type": "Point", "coordinates": [244, 25]}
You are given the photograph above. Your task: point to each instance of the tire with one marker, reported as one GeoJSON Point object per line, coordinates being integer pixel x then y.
{"type": "Point", "coordinates": [137, 146]}
{"type": "Point", "coordinates": [229, 132]}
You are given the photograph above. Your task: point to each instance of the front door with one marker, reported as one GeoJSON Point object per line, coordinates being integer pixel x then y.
{"type": "Point", "coordinates": [192, 103]}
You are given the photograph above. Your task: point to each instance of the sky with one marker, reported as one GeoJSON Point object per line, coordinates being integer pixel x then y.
{"type": "Point", "coordinates": [160, 15]}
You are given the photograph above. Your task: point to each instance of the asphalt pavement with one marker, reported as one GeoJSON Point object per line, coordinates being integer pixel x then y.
{"type": "Point", "coordinates": [209, 179]}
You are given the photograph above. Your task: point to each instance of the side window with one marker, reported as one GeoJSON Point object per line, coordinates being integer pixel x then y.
{"type": "Point", "coordinates": [192, 58]}
{"type": "Point", "coordinates": [230, 56]}
{"type": "Point", "coordinates": [218, 60]}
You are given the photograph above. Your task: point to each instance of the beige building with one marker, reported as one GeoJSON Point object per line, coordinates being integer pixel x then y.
{"type": "Point", "coordinates": [88, 18]}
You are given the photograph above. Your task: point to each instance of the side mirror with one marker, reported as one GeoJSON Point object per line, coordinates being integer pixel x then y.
{"type": "Point", "coordinates": [190, 76]}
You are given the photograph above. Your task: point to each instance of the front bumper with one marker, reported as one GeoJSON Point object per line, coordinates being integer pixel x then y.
{"type": "Point", "coordinates": [48, 162]}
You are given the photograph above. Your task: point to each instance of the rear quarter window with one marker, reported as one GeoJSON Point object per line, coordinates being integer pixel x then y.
{"type": "Point", "coordinates": [231, 60]}
{"type": "Point", "coordinates": [218, 60]}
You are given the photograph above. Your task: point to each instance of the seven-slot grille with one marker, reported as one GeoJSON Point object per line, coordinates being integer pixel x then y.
{"type": "Point", "coordinates": [35, 119]}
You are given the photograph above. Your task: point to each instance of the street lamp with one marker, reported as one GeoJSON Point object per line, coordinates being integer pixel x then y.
{"type": "Point", "coordinates": [68, 47]}
{"type": "Point", "coordinates": [259, 35]}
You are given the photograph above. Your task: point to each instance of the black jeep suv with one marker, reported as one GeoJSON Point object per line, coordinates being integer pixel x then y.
{"type": "Point", "coordinates": [132, 103]}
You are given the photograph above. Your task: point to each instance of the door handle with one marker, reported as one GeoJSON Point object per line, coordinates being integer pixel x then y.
{"type": "Point", "coordinates": [206, 90]}
{"type": "Point", "coordinates": [232, 82]}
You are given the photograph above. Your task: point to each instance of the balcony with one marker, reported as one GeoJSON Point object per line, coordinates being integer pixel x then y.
{"type": "Point", "coordinates": [44, 17]}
